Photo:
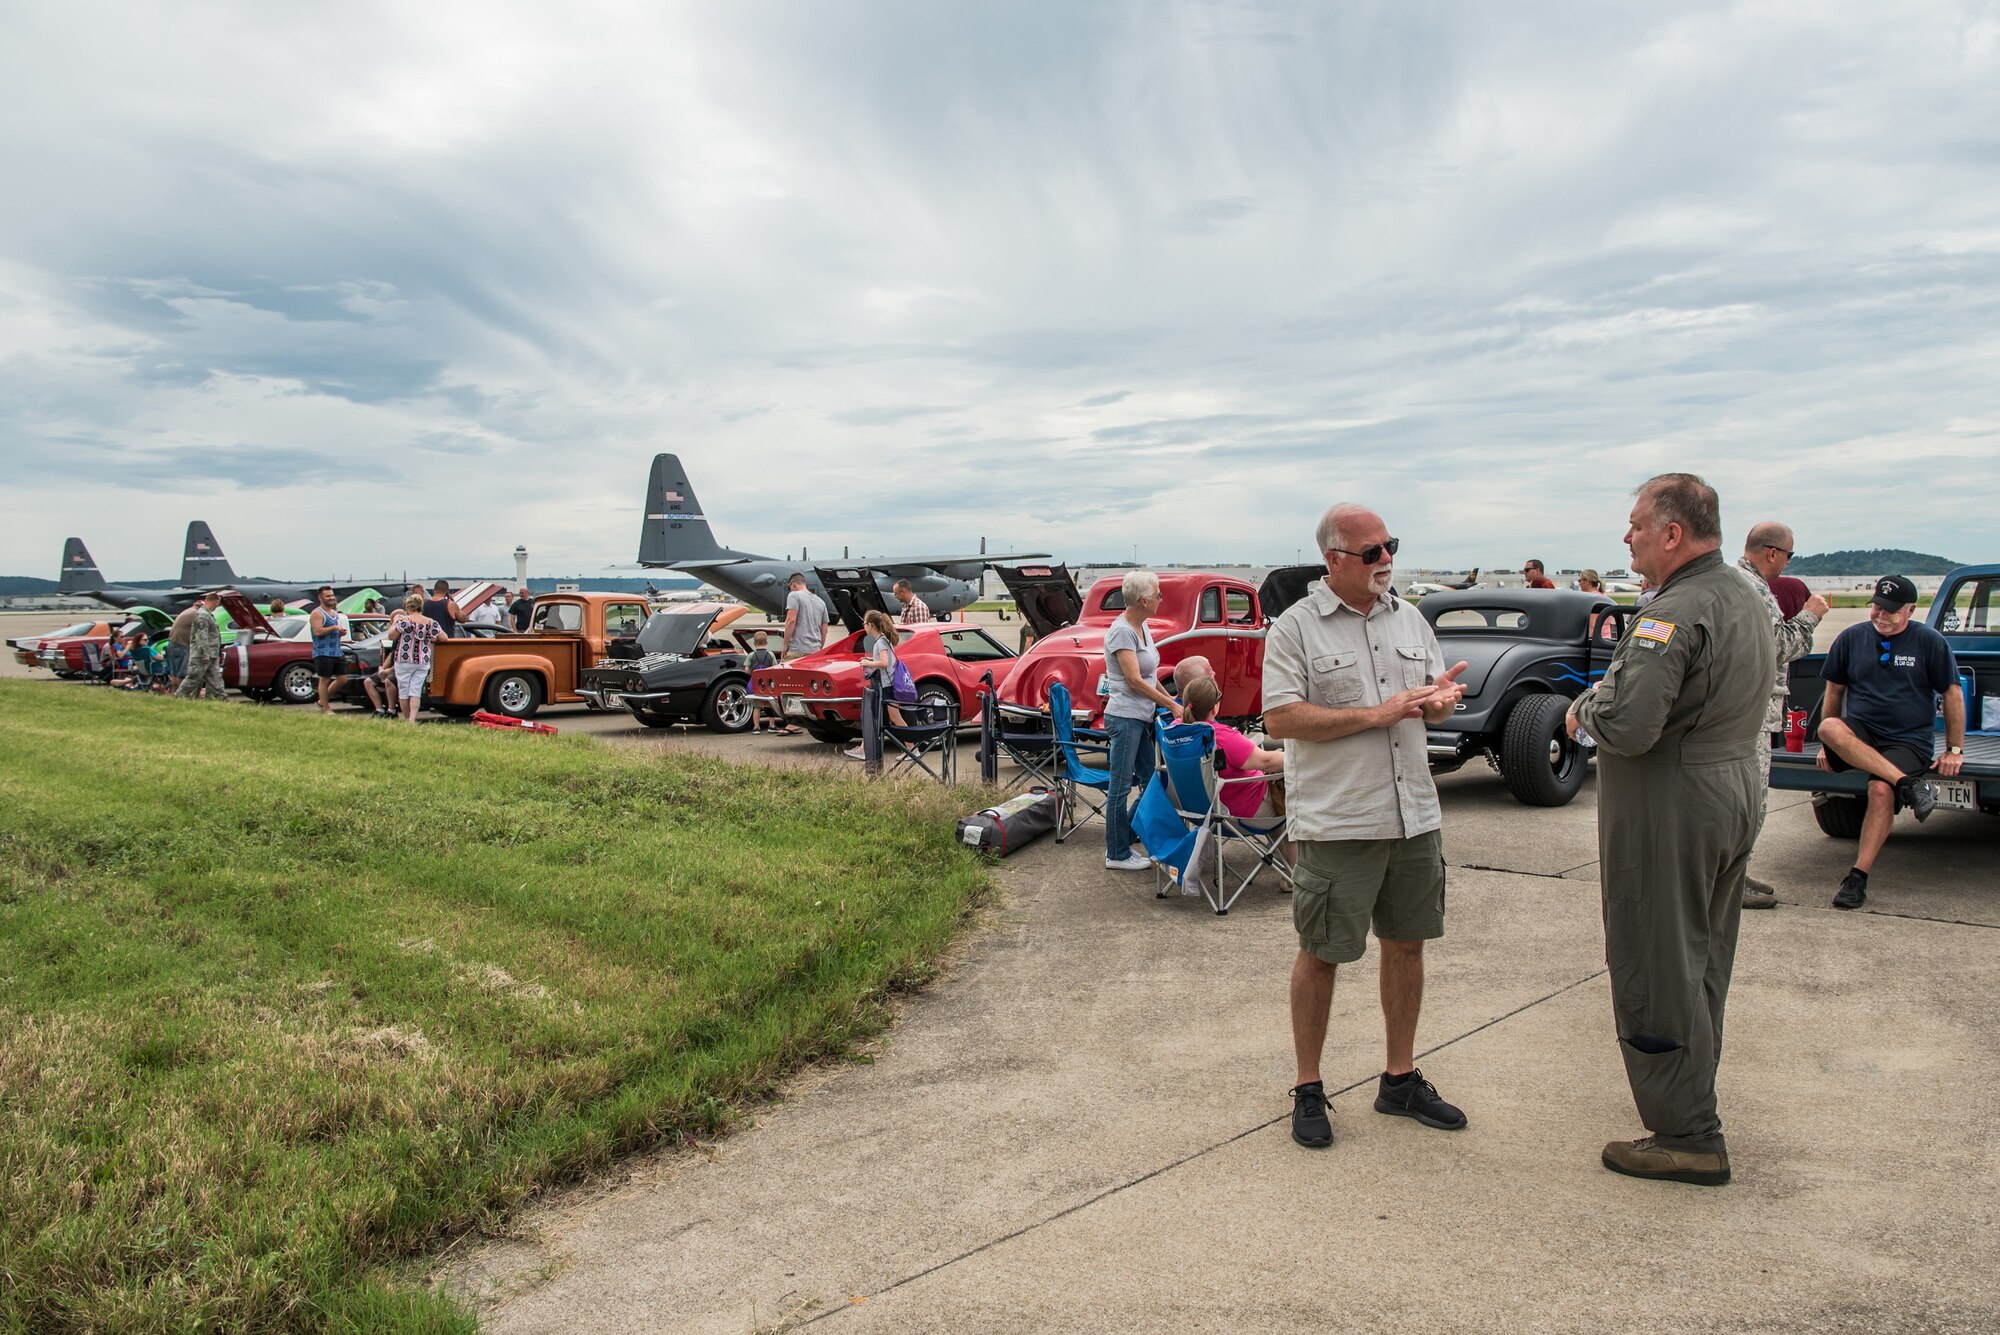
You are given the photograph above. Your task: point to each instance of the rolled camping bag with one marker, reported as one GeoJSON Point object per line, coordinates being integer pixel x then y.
{"type": "Point", "coordinates": [1013, 824]}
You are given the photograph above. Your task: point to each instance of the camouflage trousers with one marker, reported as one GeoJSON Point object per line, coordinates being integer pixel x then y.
{"type": "Point", "coordinates": [204, 674]}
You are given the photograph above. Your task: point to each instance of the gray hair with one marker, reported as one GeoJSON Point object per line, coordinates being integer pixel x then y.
{"type": "Point", "coordinates": [1330, 536]}
{"type": "Point", "coordinates": [1138, 584]}
{"type": "Point", "coordinates": [1768, 534]}
{"type": "Point", "coordinates": [1684, 499]}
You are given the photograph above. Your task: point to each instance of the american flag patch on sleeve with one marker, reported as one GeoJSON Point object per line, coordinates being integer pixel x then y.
{"type": "Point", "coordinates": [1650, 628]}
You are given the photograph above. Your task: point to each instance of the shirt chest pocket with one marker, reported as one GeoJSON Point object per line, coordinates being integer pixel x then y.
{"type": "Point", "coordinates": [1410, 661]}
{"type": "Point", "coordinates": [1336, 679]}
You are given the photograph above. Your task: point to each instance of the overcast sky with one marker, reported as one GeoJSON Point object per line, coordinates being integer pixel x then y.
{"type": "Point", "coordinates": [400, 287]}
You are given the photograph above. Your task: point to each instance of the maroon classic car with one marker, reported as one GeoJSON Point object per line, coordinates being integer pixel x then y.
{"type": "Point", "coordinates": [822, 691]}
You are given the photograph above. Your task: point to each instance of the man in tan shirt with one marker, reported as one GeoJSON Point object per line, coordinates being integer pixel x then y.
{"type": "Point", "coordinates": [1352, 674]}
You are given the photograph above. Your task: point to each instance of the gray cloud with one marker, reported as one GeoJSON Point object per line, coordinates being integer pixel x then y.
{"type": "Point", "coordinates": [1486, 269]}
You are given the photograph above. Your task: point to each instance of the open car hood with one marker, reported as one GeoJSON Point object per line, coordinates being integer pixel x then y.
{"type": "Point", "coordinates": [853, 591]}
{"type": "Point", "coordinates": [1046, 595]}
{"type": "Point", "coordinates": [1284, 586]}
{"type": "Point", "coordinates": [679, 631]}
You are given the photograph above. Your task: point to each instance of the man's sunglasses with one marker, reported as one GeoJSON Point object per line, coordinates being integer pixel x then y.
{"type": "Point", "coordinates": [1773, 547]}
{"type": "Point", "coordinates": [1372, 552]}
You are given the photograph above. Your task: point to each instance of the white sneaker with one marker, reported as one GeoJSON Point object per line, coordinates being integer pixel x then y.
{"type": "Point", "coordinates": [1130, 862]}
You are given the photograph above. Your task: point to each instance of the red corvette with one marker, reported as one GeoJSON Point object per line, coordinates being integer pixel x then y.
{"type": "Point", "coordinates": [822, 691]}
{"type": "Point", "coordinates": [1216, 616]}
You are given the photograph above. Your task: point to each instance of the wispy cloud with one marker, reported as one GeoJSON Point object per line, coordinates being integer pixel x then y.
{"type": "Point", "coordinates": [1069, 277]}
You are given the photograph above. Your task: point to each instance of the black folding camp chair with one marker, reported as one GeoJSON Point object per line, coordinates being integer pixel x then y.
{"type": "Point", "coordinates": [1020, 734]}
{"type": "Point", "coordinates": [926, 739]}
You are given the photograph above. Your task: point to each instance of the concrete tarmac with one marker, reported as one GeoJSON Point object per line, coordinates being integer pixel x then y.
{"type": "Point", "coordinates": [1083, 1126]}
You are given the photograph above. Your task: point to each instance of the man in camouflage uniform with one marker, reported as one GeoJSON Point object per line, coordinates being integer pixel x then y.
{"type": "Point", "coordinates": [1678, 719]}
{"type": "Point", "coordinates": [204, 671]}
{"type": "Point", "coordinates": [1766, 553]}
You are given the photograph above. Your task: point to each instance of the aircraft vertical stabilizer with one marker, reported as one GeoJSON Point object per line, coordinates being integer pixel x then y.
{"type": "Point", "coordinates": [79, 573]}
{"type": "Point", "coordinates": [202, 561]}
{"type": "Point", "coordinates": [675, 528]}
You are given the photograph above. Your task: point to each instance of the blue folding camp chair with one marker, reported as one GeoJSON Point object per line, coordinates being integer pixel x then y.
{"type": "Point", "coordinates": [1074, 779]}
{"type": "Point", "coordinates": [1187, 791]}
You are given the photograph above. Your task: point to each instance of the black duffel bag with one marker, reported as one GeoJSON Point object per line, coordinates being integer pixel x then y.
{"type": "Point", "coordinates": [1013, 824]}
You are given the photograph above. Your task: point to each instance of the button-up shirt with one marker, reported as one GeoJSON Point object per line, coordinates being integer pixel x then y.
{"type": "Point", "coordinates": [1373, 784]}
{"type": "Point", "coordinates": [916, 612]}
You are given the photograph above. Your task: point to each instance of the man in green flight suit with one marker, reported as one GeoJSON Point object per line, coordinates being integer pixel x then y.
{"type": "Point", "coordinates": [1677, 719]}
{"type": "Point", "coordinates": [204, 671]}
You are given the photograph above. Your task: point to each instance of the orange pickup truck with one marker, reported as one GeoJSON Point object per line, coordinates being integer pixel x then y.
{"type": "Point", "coordinates": [516, 675]}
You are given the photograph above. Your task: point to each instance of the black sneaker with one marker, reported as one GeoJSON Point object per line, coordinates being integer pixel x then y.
{"type": "Point", "coordinates": [1853, 891]}
{"type": "Point", "coordinates": [1310, 1126]}
{"type": "Point", "coordinates": [1919, 797]}
{"type": "Point", "coordinates": [1414, 1096]}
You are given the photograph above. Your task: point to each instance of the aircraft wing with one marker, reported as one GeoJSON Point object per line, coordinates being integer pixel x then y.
{"type": "Point", "coordinates": [925, 565]}
{"type": "Point", "coordinates": [700, 563]}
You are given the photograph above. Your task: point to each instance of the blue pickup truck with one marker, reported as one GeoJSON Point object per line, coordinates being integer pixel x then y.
{"type": "Point", "coordinates": [1967, 612]}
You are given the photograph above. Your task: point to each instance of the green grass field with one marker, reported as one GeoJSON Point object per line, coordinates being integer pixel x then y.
{"type": "Point", "coordinates": [285, 1000]}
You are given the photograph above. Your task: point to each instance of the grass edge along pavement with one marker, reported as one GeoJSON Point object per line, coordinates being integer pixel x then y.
{"type": "Point", "coordinates": [285, 1000]}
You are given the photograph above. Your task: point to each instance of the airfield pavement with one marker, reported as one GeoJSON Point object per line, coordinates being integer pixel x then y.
{"type": "Point", "coordinates": [1083, 1124]}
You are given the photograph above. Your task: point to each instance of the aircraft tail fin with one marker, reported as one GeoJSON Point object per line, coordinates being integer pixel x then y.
{"type": "Point", "coordinates": [202, 561]}
{"type": "Point", "coordinates": [675, 528]}
{"type": "Point", "coordinates": [79, 573]}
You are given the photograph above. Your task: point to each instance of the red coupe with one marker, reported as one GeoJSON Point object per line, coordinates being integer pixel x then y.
{"type": "Point", "coordinates": [1216, 616]}
{"type": "Point", "coordinates": [822, 691]}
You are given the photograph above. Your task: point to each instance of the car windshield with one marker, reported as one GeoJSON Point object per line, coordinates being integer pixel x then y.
{"type": "Point", "coordinates": [288, 628]}
{"type": "Point", "coordinates": [68, 632]}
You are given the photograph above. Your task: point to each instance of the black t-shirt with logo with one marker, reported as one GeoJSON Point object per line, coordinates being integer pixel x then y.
{"type": "Point", "coordinates": [1892, 683]}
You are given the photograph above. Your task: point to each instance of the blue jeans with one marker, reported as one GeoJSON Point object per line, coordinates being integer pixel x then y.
{"type": "Point", "coordinates": [1131, 765]}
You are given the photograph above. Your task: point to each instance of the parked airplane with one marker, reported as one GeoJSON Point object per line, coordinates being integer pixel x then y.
{"type": "Point", "coordinates": [203, 566]}
{"type": "Point", "coordinates": [676, 536]}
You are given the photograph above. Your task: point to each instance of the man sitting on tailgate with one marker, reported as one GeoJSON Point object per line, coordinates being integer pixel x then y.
{"type": "Point", "coordinates": [1882, 679]}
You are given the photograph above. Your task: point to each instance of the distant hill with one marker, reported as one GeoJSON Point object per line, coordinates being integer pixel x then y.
{"type": "Point", "coordinates": [27, 586]}
{"type": "Point", "coordinates": [1875, 561]}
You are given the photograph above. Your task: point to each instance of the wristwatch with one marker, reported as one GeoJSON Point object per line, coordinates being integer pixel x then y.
{"type": "Point", "coordinates": [1954, 750]}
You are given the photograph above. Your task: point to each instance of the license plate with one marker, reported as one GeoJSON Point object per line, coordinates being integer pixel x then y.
{"type": "Point", "coordinates": [1956, 793]}
{"type": "Point", "coordinates": [795, 707]}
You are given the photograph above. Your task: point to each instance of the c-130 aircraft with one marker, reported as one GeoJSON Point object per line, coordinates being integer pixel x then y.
{"type": "Point", "coordinates": [203, 566]}
{"type": "Point", "coordinates": [676, 536]}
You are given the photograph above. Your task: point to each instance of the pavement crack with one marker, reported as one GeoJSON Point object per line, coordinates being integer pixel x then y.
{"type": "Point", "coordinates": [1516, 871]}
{"type": "Point", "coordinates": [1185, 1159]}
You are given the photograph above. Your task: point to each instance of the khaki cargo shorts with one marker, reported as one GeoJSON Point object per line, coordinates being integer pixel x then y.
{"type": "Point", "coordinates": [1344, 885]}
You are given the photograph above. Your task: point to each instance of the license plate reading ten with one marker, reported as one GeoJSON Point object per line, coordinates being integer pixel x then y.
{"type": "Point", "coordinates": [1956, 793]}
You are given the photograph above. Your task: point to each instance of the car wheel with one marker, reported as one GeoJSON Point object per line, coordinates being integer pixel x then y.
{"type": "Point", "coordinates": [652, 720]}
{"type": "Point", "coordinates": [728, 707]}
{"type": "Point", "coordinates": [1543, 767]}
{"type": "Point", "coordinates": [935, 694]}
{"type": "Point", "coordinates": [296, 684]}
{"type": "Point", "coordinates": [515, 694]}
{"type": "Point", "coordinates": [1839, 817]}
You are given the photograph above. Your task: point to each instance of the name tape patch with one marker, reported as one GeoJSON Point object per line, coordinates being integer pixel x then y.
{"type": "Point", "coordinates": [1650, 628]}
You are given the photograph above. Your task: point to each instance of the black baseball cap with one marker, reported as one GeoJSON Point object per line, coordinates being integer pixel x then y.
{"type": "Point", "coordinates": [1893, 593]}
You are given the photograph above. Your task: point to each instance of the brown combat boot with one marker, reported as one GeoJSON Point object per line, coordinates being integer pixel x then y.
{"type": "Point", "coordinates": [1648, 1158]}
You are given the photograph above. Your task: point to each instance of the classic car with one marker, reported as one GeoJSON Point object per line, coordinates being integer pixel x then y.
{"type": "Point", "coordinates": [270, 667]}
{"type": "Point", "coordinates": [1218, 617]}
{"type": "Point", "coordinates": [517, 675]}
{"type": "Point", "coordinates": [71, 655]}
{"type": "Point", "coordinates": [28, 648]}
{"type": "Point", "coordinates": [822, 691]}
{"type": "Point", "coordinates": [1529, 652]}
{"type": "Point", "coordinates": [684, 672]}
